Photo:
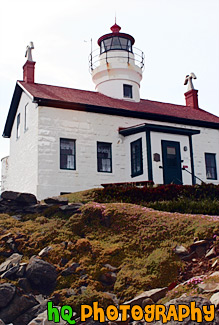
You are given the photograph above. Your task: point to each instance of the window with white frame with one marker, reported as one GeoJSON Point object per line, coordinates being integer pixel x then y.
{"type": "Point", "coordinates": [104, 157]}
{"type": "Point", "coordinates": [136, 158]}
{"type": "Point", "coordinates": [67, 154]}
{"type": "Point", "coordinates": [210, 164]}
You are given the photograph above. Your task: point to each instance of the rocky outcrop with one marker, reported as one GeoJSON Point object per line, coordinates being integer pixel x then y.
{"type": "Point", "coordinates": [26, 203]}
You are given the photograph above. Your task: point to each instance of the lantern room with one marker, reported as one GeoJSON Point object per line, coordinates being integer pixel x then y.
{"type": "Point", "coordinates": [116, 41]}
{"type": "Point", "coordinates": [116, 66]}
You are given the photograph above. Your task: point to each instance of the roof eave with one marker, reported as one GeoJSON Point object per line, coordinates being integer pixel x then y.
{"type": "Point", "coordinates": [123, 112]}
{"type": "Point", "coordinates": [12, 111]}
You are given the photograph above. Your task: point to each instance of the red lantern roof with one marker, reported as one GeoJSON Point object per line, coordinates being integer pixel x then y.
{"type": "Point", "coordinates": [116, 32]}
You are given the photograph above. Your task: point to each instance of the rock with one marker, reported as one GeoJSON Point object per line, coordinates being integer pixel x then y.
{"type": "Point", "coordinates": [181, 250]}
{"type": "Point", "coordinates": [110, 267]}
{"type": "Point", "coordinates": [10, 195]}
{"type": "Point", "coordinates": [17, 217]}
{"type": "Point", "coordinates": [154, 294]}
{"type": "Point", "coordinates": [209, 287]}
{"type": "Point", "coordinates": [73, 207]}
{"type": "Point", "coordinates": [108, 278]}
{"type": "Point", "coordinates": [7, 291]}
{"type": "Point", "coordinates": [188, 257]}
{"type": "Point", "coordinates": [200, 251]}
{"type": "Point", "coordinates": [26, 199]}
{"type": "Point", "coordinates": [147, 301]}
{"type": "Point", "coordinates": [36, 208]}
{"type": "Point", "coordinates": [21, 270]}
{"type": "Point", "coordinates": [82, 289]}
{"type": "Point", "coordinates": [215, 299]}
{"type": "Point", "coordinates": [17, 306]}
{"type": "Point", "coordinates": [45, 251]}
{"type": "Point", "coordinates": [199, 243]}
{"type": "Point", "coordinates": [11, 261]}
{"type": "Point", "coordinates": [42, 275]}
{"type": "Point", "coordinates": [211, 253]}
{"type": "Point", "coordinates": [214, 264]}
{"type": "Point", "coordinates": [6, 236]}
{"type": "Point", "coordinates": [70, 270]}
{"type": "Point", "coordinates": [70, 292]}
{"type": "Point", "coordinates": [24, 283]}
{"type": "Point", "coordinates": [56, 200]}
{"type": "Point", "coordinates": [112, 297]}
{"type": "Point", "coordinates": [214, 274]}
{"type": "Point", "coordinates": [30, 314]}
{"type": "Point", "coordinates": [42, 319]}
{"type": "Point", "coordinates": [10, 272]}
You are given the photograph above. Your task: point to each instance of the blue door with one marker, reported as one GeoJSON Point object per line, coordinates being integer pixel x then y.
{"type": "Point", "coordinates": [172, 172]}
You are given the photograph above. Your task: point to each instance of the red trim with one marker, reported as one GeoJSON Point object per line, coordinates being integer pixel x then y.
{"type": "Point", "coordinates": [116, 34]}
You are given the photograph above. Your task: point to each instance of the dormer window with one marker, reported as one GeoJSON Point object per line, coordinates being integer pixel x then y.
{"type": "Point", "coordinates": [127, 91]}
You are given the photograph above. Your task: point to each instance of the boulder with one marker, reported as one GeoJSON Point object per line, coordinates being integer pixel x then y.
{"type": "Point", "coordinates": [17, 306]}
{"type": "Point", "coordinates": [24, 283]}
{"type": "Point", "coordinates": [26, 199]}
{"type": "Point", "coordinates": [56, 200]}
{"type": "Point", "coordinates": [42, 275]}
{"type": "Point", "coordinates": [7, 291]}
{"type": "Point", "coordinates": [30, 314]}
{"type": "Point", "coordinates": [154, 294]}
{"type": "Point", "coordinates": [10, 195]}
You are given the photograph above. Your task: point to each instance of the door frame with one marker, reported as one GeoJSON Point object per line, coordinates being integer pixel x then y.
{"type": "Point", "coordinates": [176, 144]}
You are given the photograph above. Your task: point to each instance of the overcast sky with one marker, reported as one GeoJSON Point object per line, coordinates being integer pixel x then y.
{"type": "Point", "coordinates": [177, 37]}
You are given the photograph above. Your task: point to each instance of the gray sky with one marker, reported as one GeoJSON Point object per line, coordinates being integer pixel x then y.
{"type": "Point", "coordinates": [177, 37]}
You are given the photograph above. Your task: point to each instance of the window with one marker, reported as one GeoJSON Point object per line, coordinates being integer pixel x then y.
{"type": "Point", "coordinates": [127, 91]}
{"type": "Point", "coordinates": [115, 43]}
{"type": "Point", "coordinates": [104, 157]}
{"type": "Point", "coordinates": [67, 154]}
{"type": "Point", "coordinates": [18, 125]}
{"type": "Point", "coordinates": [136, 158]}
{"type": "Point", "coordinates": [25, 117]}
{"type": "Point", "coordinates": [210, 163]}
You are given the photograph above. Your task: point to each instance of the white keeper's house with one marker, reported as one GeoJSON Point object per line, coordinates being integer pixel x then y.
{"type": "Point", "coordinates": [65, 140]}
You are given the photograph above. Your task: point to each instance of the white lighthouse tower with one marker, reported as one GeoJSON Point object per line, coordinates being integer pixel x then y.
{"type": "Point", "coordinates": [117, 68]}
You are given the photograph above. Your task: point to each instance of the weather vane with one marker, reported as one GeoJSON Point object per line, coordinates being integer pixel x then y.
{"type": "Point", "coordinates": [28, 53]}
{"type": "Point", "coordinates": [188, 80]}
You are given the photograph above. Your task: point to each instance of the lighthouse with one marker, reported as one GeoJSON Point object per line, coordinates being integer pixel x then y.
{"type": "Point", "coordinates": [117, 67]}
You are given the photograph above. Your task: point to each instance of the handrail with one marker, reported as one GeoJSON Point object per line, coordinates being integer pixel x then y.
{"type": "Point", "coordinates": [193, 175]}
{"type": "Point", "coordinates": [94, 58]}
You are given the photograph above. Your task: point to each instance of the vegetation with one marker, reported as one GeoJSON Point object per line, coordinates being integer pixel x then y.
{"type": "Point", "coordinates": [137, 240]}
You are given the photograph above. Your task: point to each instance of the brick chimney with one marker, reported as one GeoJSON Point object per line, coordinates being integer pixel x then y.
{"type": "Point", "coordinates": [28, 71]}
{"type": "Point", "coordinates": [192, 98]}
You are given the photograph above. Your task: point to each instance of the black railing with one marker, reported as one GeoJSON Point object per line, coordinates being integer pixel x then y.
{"type": "Point", "coordinates": [95, 57]}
